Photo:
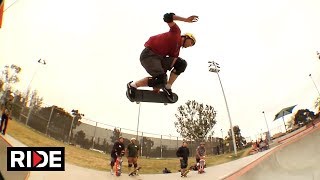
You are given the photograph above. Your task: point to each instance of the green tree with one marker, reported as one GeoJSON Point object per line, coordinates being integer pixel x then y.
{"type": "Point", "coordinates": [80, 137]}
{"type": "Point", "coordinates": [116, 135]}
{"type": "Point", "coordinates": [36, 101]}
{"type": "Point", "coordinates": [195, 120]}
{"type": "Point", "coordinates": [60, 121]}
{"type": "Point", "coordinates": [303, 116]}
{"type": "Point", "coordinates": [240, 141]}
{"type": "Point", "coordinates": [86, 144]}
{"type": "Point", "coordinates": [147, 145]}
{"type": "Point", "coordinates": [9, 76]}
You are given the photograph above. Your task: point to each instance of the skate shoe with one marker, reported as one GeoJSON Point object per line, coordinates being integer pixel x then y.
{"type": "Point", "coordinates": [168, 93]}
{"type": "Point", "coordinates": [131, 90]}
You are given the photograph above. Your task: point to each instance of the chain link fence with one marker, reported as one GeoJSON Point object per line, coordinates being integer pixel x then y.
{"type": "Point", "coordinates": [83, 132]}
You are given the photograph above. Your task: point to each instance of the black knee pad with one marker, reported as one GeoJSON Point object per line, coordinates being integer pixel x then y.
{"type": "Point", "coordinates": [129, 165]}
{"type": "Point", "coordinates": [158, 81]}
{"type": "Point", "coordinates": [180, 66]}
{"type": "Point", "coordinates": [168, 17]}
{"type": "Point", "coordinates": [135, 165]}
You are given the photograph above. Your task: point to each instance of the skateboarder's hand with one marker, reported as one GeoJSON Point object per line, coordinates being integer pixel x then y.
{"type": "Point", "coordinates": [192, 19]}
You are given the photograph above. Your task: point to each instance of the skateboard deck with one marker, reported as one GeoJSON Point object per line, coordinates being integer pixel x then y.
{"type": "Point", "coordinates": [150, 96]}
{"type": "Point", "coordinates": [201, 166]}
{"type": "Point", "coordinates": [118, 166]}
{"type": "Point", "coordinates": [135, 172]}
{"type": "Point", "coordinates": [185, 173]}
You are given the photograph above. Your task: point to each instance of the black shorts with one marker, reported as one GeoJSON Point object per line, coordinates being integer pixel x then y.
{"type": "Point", "coordinates": [183, 163]}
{"type": "Point", "coordinates": [155, 64]}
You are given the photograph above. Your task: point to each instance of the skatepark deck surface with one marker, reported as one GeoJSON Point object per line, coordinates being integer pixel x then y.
{"type": "Point", "coordinates": [294, 158]}
{"type": "Point", "coordinates": [8, 175]}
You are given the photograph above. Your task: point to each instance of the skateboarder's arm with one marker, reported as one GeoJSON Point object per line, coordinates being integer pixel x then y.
{"type": "Point", "coordinates": [178, 153]}
{"type": "Point", "coordinates": [114, 148]}
{"type": "Point", "coordinates": [171, 17]}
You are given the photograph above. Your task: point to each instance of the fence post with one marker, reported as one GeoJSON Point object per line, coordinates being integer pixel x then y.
{"type": "Point", "coordinates": [141, 144]}
{"type": "Point", "coordinates": [94, 135]}
{"type": "Point", "coordinates": [48, 124]}
{"type": "Point", "coordinates": [29, 114]}
{"type": "Point", "coordinates": [24, 104]}
{"type": "Point", "coordinates": [70, 130]}
{"type": "Point", "coordinates": [177, 142]}
{"type": "Point", "coordinates": [161, 147]}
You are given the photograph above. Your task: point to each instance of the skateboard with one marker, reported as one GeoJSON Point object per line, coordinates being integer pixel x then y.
{"type": "Point", "coordinates": [118, 166]}
{"type": "Point", "coordinates": [135, 172]}
{"type": "Point", "coordinates": [151, 96]}
{"type": "Point", "coordinates": [185, 173]}
{"type": "Point", "coordinates": [201, 166]}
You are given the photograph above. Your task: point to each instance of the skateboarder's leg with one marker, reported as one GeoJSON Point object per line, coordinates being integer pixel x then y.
{"type": "Point", "coordinates": [179, 66]}
{"type": "Point", "coordinates": [6, 120]}
{"type": "Point", "coordinates": [183, 166]}
{"type": "Point", "coordinates": [135, 162]}
{"type": "Point", "coordinates": [130, 162]}
{"type": "Point", "coordinates": [3, 118]}
{"type": "Point", "coordinates": [112, 162]}
{"type": "Point", "coordinates": [151, 62]}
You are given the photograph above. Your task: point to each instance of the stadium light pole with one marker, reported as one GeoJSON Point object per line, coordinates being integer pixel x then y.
{"type": "Point", "coordinates": [214, 67]}
{"type": "Point", "coordinates": [269, 135]}
{"type": "Point", "coordinates": [138, 120]}
{"type": "Point", "coordinates": [40, 62]}
{"type": "Point", "coordinates": [314, 84]}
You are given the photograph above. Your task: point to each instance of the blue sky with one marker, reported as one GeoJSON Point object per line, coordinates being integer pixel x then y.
{"type": "Point", "coordinates": [266, 50]}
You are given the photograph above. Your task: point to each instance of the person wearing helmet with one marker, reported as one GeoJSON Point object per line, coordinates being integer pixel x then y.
{"type": "Point", "coordinates": [200, 152]}
{"type": "Point", "coordinates": [161, 54]}
{"type": "Point", "coordinates": [6, 109]}
{"type": "Point", "coordinates": [132, 154]}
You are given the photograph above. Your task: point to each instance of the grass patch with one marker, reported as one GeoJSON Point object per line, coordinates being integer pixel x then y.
{"type": "Point", "coordinates": [95, 160]}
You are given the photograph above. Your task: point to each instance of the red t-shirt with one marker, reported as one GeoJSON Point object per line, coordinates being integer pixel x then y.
{"type": "Point", "coordinates": [166, 44]}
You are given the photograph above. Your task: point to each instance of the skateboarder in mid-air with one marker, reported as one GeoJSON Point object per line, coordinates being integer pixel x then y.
{"type": "Point", "coordinates": [161, 54]}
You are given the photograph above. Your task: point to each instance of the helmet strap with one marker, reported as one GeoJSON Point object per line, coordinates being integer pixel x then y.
{"type": "Point", "coordinates": [184, 41]}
